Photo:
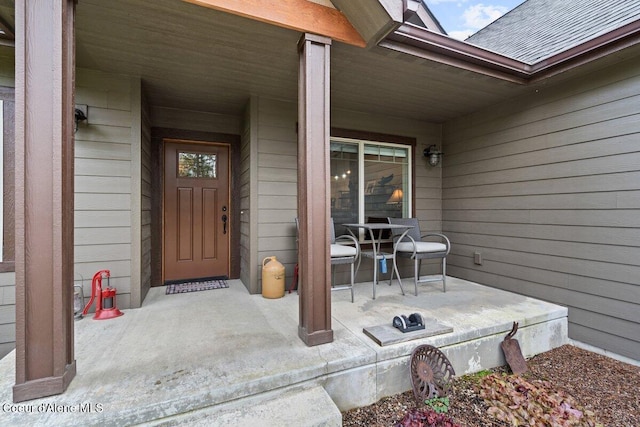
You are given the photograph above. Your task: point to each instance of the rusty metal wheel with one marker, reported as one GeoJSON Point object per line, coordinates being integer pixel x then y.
{"type": "Point", "coordinates": [431, 373]}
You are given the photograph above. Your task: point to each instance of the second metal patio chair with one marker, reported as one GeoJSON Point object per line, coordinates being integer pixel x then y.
{"type": "Point", "coordinates": [413, 246]}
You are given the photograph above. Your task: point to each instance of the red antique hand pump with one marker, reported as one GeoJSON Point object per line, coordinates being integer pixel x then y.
{"type": "Point", "coordinates": [106, 302]}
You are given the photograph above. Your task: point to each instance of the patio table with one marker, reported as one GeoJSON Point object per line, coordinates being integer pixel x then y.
{"type": "Point", "coordinates": [375, 253]}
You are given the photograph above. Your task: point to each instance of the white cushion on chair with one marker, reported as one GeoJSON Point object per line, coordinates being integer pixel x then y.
{"type": "Point", "coordinates": [343, 250]}
{"type": "Point", "coordinates": [421, 247]}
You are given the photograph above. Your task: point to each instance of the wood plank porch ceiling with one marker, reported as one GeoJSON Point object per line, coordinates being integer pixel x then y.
{"type": "Point", "coordinates": [196, 58]}
{"type": "Point", "coordinates": [199, 59]}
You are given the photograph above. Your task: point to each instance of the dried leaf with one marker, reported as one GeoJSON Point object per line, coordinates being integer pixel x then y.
{"type": "Point", "coordinates": [522, 403]}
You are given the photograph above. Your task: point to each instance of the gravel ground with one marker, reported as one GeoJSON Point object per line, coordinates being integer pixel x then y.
{"type": "Point", "coordinates": [605, 386]}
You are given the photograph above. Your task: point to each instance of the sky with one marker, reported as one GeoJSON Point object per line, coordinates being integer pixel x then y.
{"type": "Point", "coordinates": [461, 18]}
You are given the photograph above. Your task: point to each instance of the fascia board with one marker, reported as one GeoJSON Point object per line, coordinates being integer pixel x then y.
{"type": "Point", "coordinates": [427, 44]}
{"type": "Point", "coordinates": [373, 19]}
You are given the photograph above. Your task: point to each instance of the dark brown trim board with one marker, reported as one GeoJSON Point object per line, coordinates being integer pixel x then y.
{"type": "Point", "coordinates": [430, 45]}
{"type": "Point", "coordinates": [45, 52]}
{"type": "Point", "coordinates": [313, 192]}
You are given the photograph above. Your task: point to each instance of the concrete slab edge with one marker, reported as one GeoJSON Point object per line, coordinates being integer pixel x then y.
{"type": "Point", "coordinates": [308, 405]}
{"type": "Point", "coordinates": [367, 384]}
{"type": "Point", "coordinates": [460, 337]}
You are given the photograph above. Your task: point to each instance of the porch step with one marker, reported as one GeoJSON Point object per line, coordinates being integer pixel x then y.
{"type": "Point", "coordinates": [293, 406]}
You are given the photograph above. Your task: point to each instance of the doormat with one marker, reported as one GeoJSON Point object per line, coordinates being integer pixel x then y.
{"type": "Point", "coordinates": [196, 285]}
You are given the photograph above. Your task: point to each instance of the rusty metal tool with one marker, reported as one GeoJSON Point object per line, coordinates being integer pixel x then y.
{"type": "Point", "coordinates": [512, 352]}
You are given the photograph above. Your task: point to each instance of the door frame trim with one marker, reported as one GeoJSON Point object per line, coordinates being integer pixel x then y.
{"type": "Point", "coordinates": [158, 136]}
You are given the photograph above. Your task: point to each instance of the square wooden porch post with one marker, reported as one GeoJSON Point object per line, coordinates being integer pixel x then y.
{"type": "Point", "coordinates": [313, 190]}
{"type": "Point", "coordinates": [45, 64]}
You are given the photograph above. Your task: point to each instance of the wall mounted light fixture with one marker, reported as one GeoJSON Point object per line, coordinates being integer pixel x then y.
{"type": "Point", "coordinates": [81, 114]}
{"type": "Point", "coordinates": [433, 155]}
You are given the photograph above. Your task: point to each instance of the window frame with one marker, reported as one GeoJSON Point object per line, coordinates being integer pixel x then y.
{"type": "Point", "coordinates": [2, 178]}
{"type": "Point", "coordinates": [347, 135]}
{"type": "Point", "coordinates": [7, 169]}
{"type": "Point", "coordinates": [197, 153]}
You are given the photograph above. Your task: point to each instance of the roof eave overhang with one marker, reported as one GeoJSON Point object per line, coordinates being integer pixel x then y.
{"type": "Point", "coordinates": [437, 47]}
{"type": "Point", "coordinates": [413, 40]}
{"type": "Point", "coordinates": [598, 47]}
{"type": "Point", "coordinates": [368, 23]}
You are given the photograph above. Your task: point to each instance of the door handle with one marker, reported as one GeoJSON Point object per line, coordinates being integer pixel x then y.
{"type": "Point", "coordinates": [224, 224]}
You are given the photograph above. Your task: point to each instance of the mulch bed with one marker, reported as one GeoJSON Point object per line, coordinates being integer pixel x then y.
{"type": "Point", "coordinates": [600, 384]}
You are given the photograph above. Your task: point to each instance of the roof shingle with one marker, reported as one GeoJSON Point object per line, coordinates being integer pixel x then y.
{"type": "Point", "coordinates": [538, 29]}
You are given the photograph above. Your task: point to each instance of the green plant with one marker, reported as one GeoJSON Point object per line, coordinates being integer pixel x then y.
{"type": "Point", "coordinates": [439, 404]}
{"type": "Point", "coordinates": [481, 374]}
{"type": "Point", "coordinates": [518, 402]}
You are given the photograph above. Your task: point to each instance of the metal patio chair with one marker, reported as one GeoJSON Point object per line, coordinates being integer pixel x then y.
{"type": "Point", "coordinates": [413, 246]}
{"type": "Point", "coordinates": [344, 249]}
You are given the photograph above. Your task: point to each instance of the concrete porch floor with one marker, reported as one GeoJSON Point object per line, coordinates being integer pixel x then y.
{"type": "Point", "coordinates": [224, 357]}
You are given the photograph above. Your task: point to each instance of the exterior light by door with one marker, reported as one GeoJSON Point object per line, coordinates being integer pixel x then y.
{"type": "Point", "coordinates": [433, 155]}
{"type": "Point", "coordinates": [81, 114]}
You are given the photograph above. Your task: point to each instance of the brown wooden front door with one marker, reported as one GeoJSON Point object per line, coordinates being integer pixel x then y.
{"type": "Point", "coordinates": [196, 210]}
